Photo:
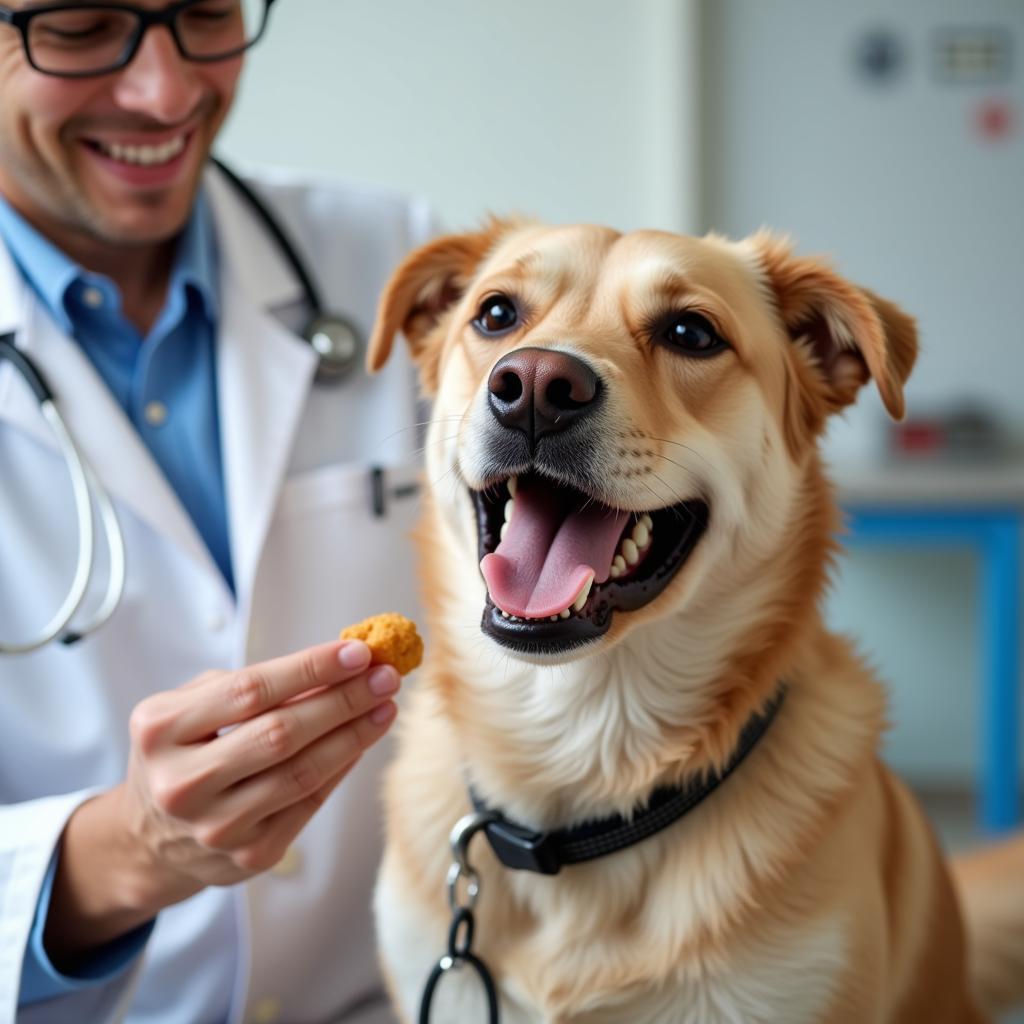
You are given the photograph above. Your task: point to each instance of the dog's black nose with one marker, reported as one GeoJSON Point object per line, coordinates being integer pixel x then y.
{"type": "Point", "coordinates": [541, 391]}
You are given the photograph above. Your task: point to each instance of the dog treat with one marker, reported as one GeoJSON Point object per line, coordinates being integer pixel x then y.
{"type": "Point", "coordinates": [392, 638]}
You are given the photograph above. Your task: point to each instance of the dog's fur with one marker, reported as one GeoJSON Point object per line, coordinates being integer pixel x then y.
{"type": "Point", "coordinates": [808, 887]}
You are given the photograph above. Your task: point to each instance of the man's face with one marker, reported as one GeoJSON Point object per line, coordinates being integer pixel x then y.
{"type": "Point", "coordinates": [115, 158]}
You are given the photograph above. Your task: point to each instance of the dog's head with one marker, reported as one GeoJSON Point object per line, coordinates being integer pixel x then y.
{"type": "Point", "coordinates": [624, 426]}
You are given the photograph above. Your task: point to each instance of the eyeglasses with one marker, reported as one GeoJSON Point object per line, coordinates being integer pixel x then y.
{"type": "Point", "coordinates": [79, 40]}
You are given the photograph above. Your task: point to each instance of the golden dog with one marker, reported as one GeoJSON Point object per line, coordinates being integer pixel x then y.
{"type": "Point", "coordinates": [624, 482]}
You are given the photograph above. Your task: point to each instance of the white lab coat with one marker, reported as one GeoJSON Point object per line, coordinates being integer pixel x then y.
{"type": "Point", "coordinates": [309, 557]}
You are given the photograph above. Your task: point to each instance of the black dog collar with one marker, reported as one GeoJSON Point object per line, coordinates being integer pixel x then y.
{"type": "Point", "coordinates": [548, 852]}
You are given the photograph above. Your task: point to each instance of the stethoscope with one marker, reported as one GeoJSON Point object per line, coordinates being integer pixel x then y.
{"type": "Point", "coordinates": [333, 337]}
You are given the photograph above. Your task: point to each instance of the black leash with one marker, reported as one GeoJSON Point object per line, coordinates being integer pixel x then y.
{"type": "Point", "coordinates": [457, 955]}
{"type": "Point", "coordinates": [459, 951]}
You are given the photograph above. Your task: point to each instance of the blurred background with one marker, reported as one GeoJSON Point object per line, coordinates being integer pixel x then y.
{"type": "Point", "coordinates": [887, 135]}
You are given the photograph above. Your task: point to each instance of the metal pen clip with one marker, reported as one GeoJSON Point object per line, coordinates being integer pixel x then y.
{"type": "Point", "coordinates": [380, 493]}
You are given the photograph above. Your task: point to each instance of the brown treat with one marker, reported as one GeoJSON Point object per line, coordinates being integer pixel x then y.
{"type": "Point", "coordinates": [391, 637]}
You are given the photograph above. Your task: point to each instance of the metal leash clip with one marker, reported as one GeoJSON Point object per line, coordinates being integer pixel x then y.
{"type": "Point", "coordinates": [460, 933]}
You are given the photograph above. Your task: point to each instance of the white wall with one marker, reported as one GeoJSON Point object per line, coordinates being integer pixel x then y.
{"type": "Point", "coordinates": [565, 109]}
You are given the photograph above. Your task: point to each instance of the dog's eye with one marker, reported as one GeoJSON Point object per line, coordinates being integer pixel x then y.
{"type": "Point", "coordinates": [691, 334]}
{"type": "Point", "coordinates": [497, 314]}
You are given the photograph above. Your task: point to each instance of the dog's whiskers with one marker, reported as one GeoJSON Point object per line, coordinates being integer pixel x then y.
{"type": "Point", "coordinates": [439, 441]}
{"type": "Point", "coordinates": [449, 472]}
{"type": "Point", "coordinates": [672, 492]}
{"type": "Point", "coordinates": [679, 444]}
{"type": "Point", "coordinates": [414, 426]}
{"type": "Point", "coordinates": [685, 469]}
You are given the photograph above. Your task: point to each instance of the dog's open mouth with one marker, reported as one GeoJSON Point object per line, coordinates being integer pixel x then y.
{"type": "Point", "coordinates": [558, 563]}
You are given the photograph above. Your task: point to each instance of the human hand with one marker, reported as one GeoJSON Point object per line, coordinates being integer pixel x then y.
{"type": "Point", "coordinates": [223, 773]}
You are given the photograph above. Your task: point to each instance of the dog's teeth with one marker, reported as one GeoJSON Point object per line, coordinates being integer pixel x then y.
{"type": "Point", "coordinates": [504, 530]}
{"type": "Point", "coordinates": [615, 572]}
{"type": "Point", "coordinates": [509, 506]}
{"type": "Point", "coordinates": [646, 520]}
{"type": "Point", "coordinates": [564, 614]}
{"type": "Point", "coordinates": [641, 535]}
{"type": "Point", "coordinates": [553, 618]}
{"type": "Point", "coordinates": [581, 597]}
{"type": "Point", "coordinates": [618, 562]}
{"type": "Point", "coordinates": [512, 483]}
{"type": "Point", "coordinates": [629, 552]}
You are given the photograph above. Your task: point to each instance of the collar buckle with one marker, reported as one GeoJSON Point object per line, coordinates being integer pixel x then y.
{"type": "Point", "coordinates": [522, 849]}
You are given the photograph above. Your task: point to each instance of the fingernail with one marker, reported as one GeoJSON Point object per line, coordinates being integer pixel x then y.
{"type": "Point", "coordinates": [383, 714]}
{"type": "Point", "coordinates": [383, 680]}
{"type": "Point", "coordinates": [354, 655]}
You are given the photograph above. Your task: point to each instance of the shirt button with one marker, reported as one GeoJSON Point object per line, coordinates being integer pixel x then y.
{"type": "Point", "coordinates": [155, 413]}
{"type": "Point", "coordinates": [92, 297]}
{"type": "Point", "coordinates": [290, 864]}
{"type": "Point", "coordinates": [266, 1010]}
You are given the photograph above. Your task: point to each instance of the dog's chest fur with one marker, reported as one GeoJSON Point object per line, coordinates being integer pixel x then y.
{"type": "Point", "coordinates": [792, 975]}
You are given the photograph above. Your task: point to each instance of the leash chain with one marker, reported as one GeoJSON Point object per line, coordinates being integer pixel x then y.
{"type": "Point", "coordinates": [460, 933]}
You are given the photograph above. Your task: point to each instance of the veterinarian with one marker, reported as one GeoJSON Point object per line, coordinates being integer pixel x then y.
{"type": "Point", "coordinates": [159, 855]}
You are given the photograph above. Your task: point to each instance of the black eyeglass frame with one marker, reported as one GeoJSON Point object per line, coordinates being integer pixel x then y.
{"type": "Point", "coordinates": [145, 20]}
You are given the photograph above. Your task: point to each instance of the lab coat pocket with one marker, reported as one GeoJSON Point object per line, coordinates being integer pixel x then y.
{"type": "Point", "coordinates": [339, 549]}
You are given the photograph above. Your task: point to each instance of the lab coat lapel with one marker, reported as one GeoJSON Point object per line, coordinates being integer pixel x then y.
{"type": "Point", "coordinates": [264, 374]}
{"type": "Point", "coordinates": [12, 294]}
{"type": "Point", "coordinates": [103, 433]}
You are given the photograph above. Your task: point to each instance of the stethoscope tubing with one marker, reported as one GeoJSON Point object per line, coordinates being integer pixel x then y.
{"type": "Point", "coordinates": [284, 244]}
{"type": "Point", "coordinates": [334, 338]}
{"type": "Point", "coordinates": [117, 570]}
{"type": "Point", "coordinates": [86, 488]}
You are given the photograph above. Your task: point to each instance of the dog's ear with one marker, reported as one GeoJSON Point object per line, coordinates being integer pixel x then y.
{"type": "Point", "coordinates": [425, 285]}
{"type": "Point", "coordinates": [846, 334]}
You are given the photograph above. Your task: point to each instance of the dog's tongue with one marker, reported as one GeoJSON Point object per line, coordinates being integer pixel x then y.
{"type": "Point", "coordinates": [550, 549]}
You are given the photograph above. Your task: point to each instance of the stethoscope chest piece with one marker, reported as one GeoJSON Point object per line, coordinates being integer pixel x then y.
{"type": "Point", "coordinates": [336, 341]}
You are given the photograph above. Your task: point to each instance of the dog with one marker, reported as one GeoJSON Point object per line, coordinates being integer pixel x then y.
{"type": "Point", "coordinates": [626, 538]}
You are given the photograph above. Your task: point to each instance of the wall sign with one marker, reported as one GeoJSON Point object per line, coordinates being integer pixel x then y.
{"type": "Point", "coordinates": [972, 55]}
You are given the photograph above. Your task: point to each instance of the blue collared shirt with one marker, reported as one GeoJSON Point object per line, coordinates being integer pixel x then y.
{"type": "Point", "coordinates": [166, 384]}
